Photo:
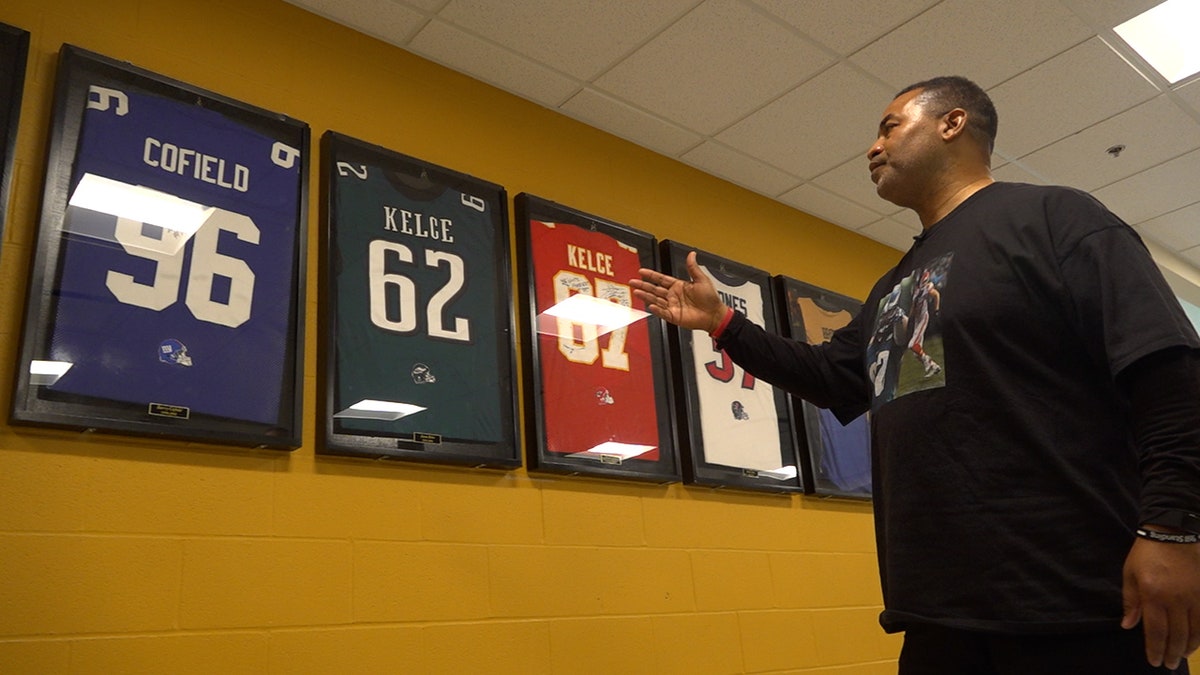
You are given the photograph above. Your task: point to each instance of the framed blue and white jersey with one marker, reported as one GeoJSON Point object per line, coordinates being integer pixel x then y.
{"type": "Point", "coordinates": [417, 338]}
{"type": "Point", "coordinates": [835, 458]}
{"type": "Point", "coordinates": [165, 294]}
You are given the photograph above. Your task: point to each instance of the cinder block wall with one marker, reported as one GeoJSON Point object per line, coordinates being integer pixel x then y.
{"type": "Point", "coordinates": [126, 555]}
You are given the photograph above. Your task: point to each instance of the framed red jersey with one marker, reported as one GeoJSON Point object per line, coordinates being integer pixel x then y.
{"type": "Point", "coordinates": [165, 294]}
{"type": "Point", "coordinates": [598, 398]}
{"type": "Point", "coordinates": [738, 428]}
{"type": "Point", "coordinates": [835, 458]}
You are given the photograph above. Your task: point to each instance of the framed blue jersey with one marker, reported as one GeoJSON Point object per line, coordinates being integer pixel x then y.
{"type": "Point", "coordinates": [417, 327]}
{"type": "Point", "coordinates": [165, 297]}
{"type": "Point", "coordinates": [598, 398]}
{"type": "Point", "coordinates": [835, 458]}
{"type": "Point", "coordinates": [14, 52]}
{"type": "Point", "coordinates": [739, 428]}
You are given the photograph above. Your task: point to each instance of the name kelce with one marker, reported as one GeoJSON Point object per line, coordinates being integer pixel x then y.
{"type": "Point", "coordinates": [186, 162]}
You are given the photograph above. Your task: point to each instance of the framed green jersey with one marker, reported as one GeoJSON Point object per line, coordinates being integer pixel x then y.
{"type": "Point", "coordinates": [418, 345]}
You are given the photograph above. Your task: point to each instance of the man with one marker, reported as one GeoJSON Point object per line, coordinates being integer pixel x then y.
{"type": "Point", "coordinates": [1037, 500]}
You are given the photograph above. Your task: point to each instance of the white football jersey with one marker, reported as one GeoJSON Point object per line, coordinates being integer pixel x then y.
{"type": "Point", "coordinates": [738, 421]}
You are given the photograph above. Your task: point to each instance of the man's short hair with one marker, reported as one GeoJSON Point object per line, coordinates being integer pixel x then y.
{"type": "Point", "coordinates": [940, 95]}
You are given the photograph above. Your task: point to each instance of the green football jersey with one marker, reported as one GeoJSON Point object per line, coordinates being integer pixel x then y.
{"type": "Point", "coordinates": [415, 268]}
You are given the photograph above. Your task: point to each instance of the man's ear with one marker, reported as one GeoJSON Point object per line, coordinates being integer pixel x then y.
{"type": "Point", "coordinates": [954, 123]}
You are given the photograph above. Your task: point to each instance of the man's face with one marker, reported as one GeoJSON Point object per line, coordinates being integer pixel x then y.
{"type": "Point", "coordinates": [904, 154]}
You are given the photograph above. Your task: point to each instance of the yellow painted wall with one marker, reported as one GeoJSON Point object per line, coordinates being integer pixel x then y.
{"type": "Point", "coordinates": [126, 555]}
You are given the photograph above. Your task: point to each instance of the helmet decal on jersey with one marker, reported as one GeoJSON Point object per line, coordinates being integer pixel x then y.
{"type": "Point", "coordinates": [421, 374]}
{"type": "Point", "coordinates": [603, 397]}
{"type": "Point", "coordinates": [174, 352]}
{"type": "Point", "coordinates": [739, 411]}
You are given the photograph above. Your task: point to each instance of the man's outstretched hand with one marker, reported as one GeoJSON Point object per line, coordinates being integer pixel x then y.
{"type": "Point", "coordinates": [688, 304]}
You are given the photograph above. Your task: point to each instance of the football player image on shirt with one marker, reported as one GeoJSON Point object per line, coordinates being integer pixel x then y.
{"type": "Point", "coordinates": [597, 387]}
{"type": "Point", "coordinates": [149, 314]}
{"type": "Point", "coordinates": [417, 320]}
{"type": "Point", "coordinates": [738, 420]}
{"type": "Point", "coordinates": [903, 352]}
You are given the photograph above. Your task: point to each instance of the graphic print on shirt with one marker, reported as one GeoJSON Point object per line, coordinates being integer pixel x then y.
{"type": "Point", "coordinates": [149, 315]}
{"type": "Point", "coordinates": [738, 420]}
{"type": "Point", "coordinates": [596, 389]}
{"type": "Point", "coordinates": [415, 261]}
{"type": "Point", "coordinates": [904, 354]}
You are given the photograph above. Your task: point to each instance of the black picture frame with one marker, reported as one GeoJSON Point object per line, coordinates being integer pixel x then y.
{"type": "Point", "coordinates": [192, 336]}
{"type": "Point", "coordinates": [835, 458]}
{"type": "Point", "coordinates": [736, 430]}
{"type": "Point", "coordinates": [14, 55]}
{"type": "Point", "coordinates": [416, 309]}
{"type": "Point", "coordinates": [594, 400]}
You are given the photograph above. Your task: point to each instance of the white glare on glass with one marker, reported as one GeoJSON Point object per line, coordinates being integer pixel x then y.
{"type": "Point", "coordinates": [46, 373]}
{"type": "Point", "coordinates": [614, 449]}
{"type": "Point", "coordinates": [370, 409]}
{"type": "Point", "coordinates": [179, 217]}
{"type": "Point", "coordinates": [581, 308]}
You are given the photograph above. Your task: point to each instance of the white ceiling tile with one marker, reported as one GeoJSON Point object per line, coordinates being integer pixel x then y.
{"type": "Point", "coordinates": [910, 218]}
{"type": "Point", "coordinates": [1190, 94]}
{"type": "Point", "coordinates": [468, 54]}
{"type": "Point", "coordinates": [579, 37]}
{"type": "Point", "coordinates": [1177, 230]}
{"type": "Point", "coordinates": [1192, 255]}
{"type": "Point", "coordinates": [427, 5]}
{"type": "Point", "coordinates": [715, 65]}
{"type": "Point", "coordinates": [817, 126]}
{"type": "Point", "coordinates": [895, 234]}
{"type": "Point", "coordinates": [1109, 13]}
{"type": "Point", "coordinates": [615, 117]}
{"type": "Point", "coordinates": [737, 168]}
{"type": "Point", "coordinates": [1155, 191]}
{"type": "Point", "coordinates": [852, 181]}
{"type": "Point", "coordinates": [828, 206]}
{"type": "Point", "coordinates": [1035, 113]}
{"type": "Point", "coordinates": [383, 19]}
{"type": "Point", "coordinates": [962, 37]}
{"type": "Point", "coordinates": [847, 25]}
{"type": "Point", "coordinates": [1152, 133]}
{"type": "Point", "coordinates": [1015, 173]}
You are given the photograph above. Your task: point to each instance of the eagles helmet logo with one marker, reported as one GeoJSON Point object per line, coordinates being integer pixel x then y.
{"type": "Point", "coordinates": [739, 411]}
{"type": "Point", "coordinates": [603, 397]}
{"type": "Point", "coordinates": [174, 352]}
{"type": "Point", "coordinates": [421, 374]}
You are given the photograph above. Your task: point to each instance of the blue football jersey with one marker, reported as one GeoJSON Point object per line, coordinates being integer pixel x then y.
{"type": "Point", "coordinates": [148, 316]}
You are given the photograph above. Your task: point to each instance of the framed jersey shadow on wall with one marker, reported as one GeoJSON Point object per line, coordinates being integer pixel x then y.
{"type": "Point", "coordinates": [738, 428]}
{"type": "Point", "coordinates": [14, 52]}
{"type": "Point", "coordinates": [418, 346]}
{"type": "Point", "coordinates": [835, 458]}
{"type": "Point", "coordinates": [597, 394]}
{"type": "Point", "coordinates": [165, 295]}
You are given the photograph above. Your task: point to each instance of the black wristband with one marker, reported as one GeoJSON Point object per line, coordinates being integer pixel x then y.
{"type": "Point", "coordinates": [1168, 538]}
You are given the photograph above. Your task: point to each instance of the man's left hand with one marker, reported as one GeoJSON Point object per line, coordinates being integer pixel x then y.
{"type": "Point", "coordinates": [1162, 590]}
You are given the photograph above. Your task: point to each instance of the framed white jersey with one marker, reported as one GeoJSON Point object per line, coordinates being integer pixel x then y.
{"type": "Point", "coordinates": [835, 458]}
{"type": "Point", "coordinates": [739, 429]}
{"type": "Point", "coordinates": [598, 397]}
{"type": "Point", "coordinates": [418, 341]}
{"type": "Point", "coordinates": [165, 294]}
{"type": "Point", "coordinates": [14, 52]}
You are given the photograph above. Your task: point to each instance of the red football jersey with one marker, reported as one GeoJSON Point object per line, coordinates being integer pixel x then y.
{"type": "Point", "coordinates": [595, 388]}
